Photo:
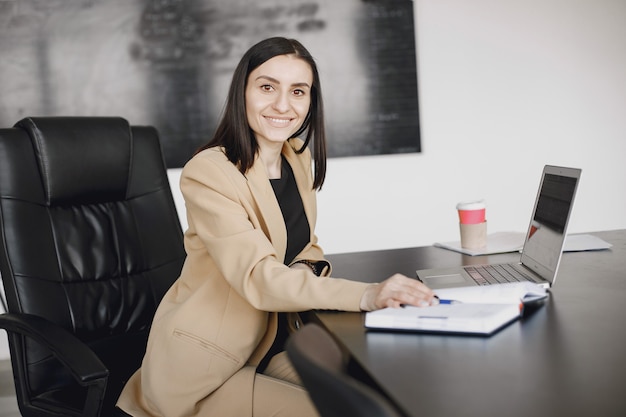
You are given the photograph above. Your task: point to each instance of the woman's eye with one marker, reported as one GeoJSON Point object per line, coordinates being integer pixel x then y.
{"type": "Point", "coordinates": [267, 87]}
{"type": "Point", "coordinates": [299, 92]}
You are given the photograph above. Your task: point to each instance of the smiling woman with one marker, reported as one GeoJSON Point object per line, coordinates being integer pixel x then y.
{"type": "Point", "coordinates": [253, 263]}
{"type": "Point", "coordinates": [280, 79]}
{"type": "Point", "coordinates": [277, 103]}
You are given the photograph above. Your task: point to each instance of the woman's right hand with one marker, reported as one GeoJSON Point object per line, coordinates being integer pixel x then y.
{"type": "Point", "coordinates": [396, 291]}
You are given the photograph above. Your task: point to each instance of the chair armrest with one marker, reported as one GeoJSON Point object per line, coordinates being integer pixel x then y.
{"type": "Point", "coordinates": [81, 361]}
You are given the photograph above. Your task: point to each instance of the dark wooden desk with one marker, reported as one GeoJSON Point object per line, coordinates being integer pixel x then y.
{"type": "Point", "coordinates": [568, 358]}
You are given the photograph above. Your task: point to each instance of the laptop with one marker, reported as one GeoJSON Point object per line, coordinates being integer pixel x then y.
{"type": "Point", "coordinates": [543, 245]}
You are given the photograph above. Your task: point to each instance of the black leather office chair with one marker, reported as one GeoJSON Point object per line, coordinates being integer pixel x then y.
{"type": "Point", "coordinates": [89, 242]}
{"type": "Point", "coordinates": [322, 367]}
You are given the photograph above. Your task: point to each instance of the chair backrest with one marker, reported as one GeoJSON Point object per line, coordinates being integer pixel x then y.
{"type": "Point", "coordinates": [321, 365]}
{"type": "Point", "coordinates": [89, 239]}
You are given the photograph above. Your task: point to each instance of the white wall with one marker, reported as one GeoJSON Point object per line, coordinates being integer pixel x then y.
{"type": "Point", "coordinates": [505, 87]}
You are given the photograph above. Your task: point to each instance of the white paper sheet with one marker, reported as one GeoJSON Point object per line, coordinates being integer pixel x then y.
{"type": "Point", "coordinates": [503, 242]}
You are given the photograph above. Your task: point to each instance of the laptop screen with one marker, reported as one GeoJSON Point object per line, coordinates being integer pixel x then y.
{"type": "Point", "coordinates": [547, 229]}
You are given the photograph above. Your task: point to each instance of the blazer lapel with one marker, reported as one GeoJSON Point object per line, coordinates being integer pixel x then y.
{"type": "Point", "coordinates": [271, 215]}
{"type": "Point", "coordinates": [304, 182]}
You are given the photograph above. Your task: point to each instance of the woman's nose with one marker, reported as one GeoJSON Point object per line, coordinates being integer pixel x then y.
{"type": "Point", "coordinates": [281, 103]}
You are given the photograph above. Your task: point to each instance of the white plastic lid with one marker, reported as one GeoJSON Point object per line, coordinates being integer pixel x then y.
{"type": "Point", "coordinates": [471, 205]}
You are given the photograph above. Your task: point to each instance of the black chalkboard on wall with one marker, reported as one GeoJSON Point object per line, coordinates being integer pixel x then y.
{"type": "Point", "coordinates": [168, 63]}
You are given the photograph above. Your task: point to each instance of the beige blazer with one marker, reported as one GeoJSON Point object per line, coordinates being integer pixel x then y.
{"type": "Point", "coordinates": [216, 322]}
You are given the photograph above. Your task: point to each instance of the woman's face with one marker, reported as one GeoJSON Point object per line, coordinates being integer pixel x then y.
{"type": "Point", "coordinates": [278, 97]}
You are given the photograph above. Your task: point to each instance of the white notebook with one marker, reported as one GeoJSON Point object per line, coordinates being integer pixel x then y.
{"type": "Point", "coordinates": [467, 310]}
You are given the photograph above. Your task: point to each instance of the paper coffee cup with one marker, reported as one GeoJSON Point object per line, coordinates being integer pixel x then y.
{"type": "Point", "coordinates": [473, 236]}
{"type": "Point", "coordinates": [471, 212]}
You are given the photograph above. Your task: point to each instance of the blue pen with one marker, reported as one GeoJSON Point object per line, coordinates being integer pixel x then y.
{"type": "Point", "coordinates": [447, 301]}
{"type": "Point", "coordinates": [440, 302]}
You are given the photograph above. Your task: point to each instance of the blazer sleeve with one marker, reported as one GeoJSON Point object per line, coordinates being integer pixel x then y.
{"type": "Point", "coordinates": [227, 223]}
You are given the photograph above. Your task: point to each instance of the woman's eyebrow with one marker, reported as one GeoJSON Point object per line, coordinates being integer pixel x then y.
{"type": "Point", "coordinates": [274, 80]}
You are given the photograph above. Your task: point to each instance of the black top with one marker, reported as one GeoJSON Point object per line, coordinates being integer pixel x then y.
{"type": "Point", "coordinates": [288, 196]}
{"type": "Point", "coordinates": [298, 234]}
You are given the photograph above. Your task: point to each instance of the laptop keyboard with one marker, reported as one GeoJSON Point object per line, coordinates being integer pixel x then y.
{"type": "Point", "coordinates": [497, 274]}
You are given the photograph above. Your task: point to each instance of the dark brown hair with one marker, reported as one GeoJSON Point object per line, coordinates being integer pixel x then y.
{"type": "Point", "coordinates": [233, 132]}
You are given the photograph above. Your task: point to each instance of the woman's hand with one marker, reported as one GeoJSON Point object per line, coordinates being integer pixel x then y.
{"type": "Point", "coordinates": [395, 291]}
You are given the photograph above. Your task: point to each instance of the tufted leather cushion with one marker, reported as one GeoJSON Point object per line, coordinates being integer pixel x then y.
{"type": "Point", "coordinates": [75, 157]}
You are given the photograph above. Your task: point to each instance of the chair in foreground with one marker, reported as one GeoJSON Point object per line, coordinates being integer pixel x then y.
{"type": "Point", "coordinates": [321, 366]}
{"type": "Point", "coordinates": [89, 242]}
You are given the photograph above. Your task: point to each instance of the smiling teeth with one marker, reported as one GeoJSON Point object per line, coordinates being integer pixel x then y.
{"type": "Point", "coordinates": [281, 121]}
